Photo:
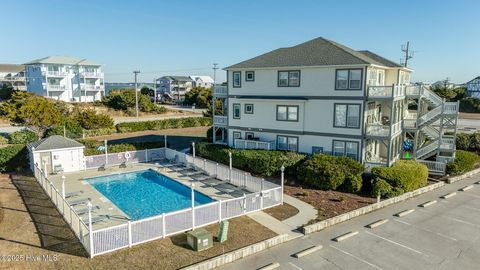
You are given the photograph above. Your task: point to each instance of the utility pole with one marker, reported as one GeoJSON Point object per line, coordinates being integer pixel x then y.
{"type": "Point", "coordinates": [155, 91]}
{"type": "Point", "coordinates": [214, 73]}
{"type": "Point", "coordinates": [407, 53]}
{"type": "Point", "coordinates": [136, 92]}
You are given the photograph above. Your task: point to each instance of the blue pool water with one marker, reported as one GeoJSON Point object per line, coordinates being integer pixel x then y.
{"type": "Point", "coordinates": [146, 193]}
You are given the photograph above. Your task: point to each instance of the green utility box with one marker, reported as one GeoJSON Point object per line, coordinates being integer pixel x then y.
{"type": "Point", "coordinates": [199, 239]}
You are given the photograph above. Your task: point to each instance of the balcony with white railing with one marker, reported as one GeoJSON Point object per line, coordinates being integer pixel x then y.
{"type": "Point", "coordinates": [377, 130]}
{"type": "Point", "coordinates": [434, 167]}
{"type": "Point", "coordinates": [386, 91]}
{"type": "Point", "coordinates": [450, 108]}
{"type": "Point", "coordinates": [254, 144]}
{"type": "Point", "coordinates": [220, 120]}
{"type": "Point", "coordinates": [220, 91]}
{"type": "Point", "coordinates": [54, 87]}
{"type": "Point", "coordinates": [91, 87]}
{"type": "Point", "coordinates": [51, 73]}
{"type": "Point", "coordinates": [87, 74]}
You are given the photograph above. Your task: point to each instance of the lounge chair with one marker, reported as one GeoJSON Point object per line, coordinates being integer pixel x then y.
{"type": "Point", "coordinates": [194, 172]}
{"type": "Point", "coordinates": [73, 194]}
{"type": "Point", "coordinates": [101, 168]}
{"type": "Point", "coordinates": [95, 219]}
{"type": "Point", "coordinates": [57, 169]}
{"type": "Point", "coordinates": [123, 165]}
{"type": "Point", "coordinates": [84, 210]}
{"type": "Point", "coordinates": [80, 201]}
{"type": "Point", "coordinates": [211, 182]}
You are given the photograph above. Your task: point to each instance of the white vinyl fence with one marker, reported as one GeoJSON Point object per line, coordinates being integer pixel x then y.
{"type": "Point", "coordinates": [264, 195]}
{"type": "Point", "coordinates": [77, 225]}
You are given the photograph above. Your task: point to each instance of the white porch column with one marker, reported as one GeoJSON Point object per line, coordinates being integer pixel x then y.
{"type": "Point", "coordinates": [90, 236]}
{"type": "Point", "coordinates": [282, 169]}
{"type": "Point", "coordinates": [63, 186]}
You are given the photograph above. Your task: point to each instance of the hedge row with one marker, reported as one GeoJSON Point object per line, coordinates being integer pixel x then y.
{"type": "Point", "coordinates": [164, 124]}
{"type": "Point", "coordinates": [403, 176]}
{"type": "Point", "coordinates": [13, 157]}
{"type": "Point", "coordinates": [332, 173]}
{"type": "Point", "coordinates": [464, 161]}
{"type": "Point", "coordinates": [92, 145]}
{"type": "Point", "coordinates": [468, 142]}
{"type": "Point", "coordinates": [260, 162]}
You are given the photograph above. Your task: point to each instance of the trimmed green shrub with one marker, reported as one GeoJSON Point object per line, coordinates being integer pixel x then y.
{"type": "Point", "coordinates": [463, 141]}
{"type": "Point", "coordinates": [164, 124]}
{"type": "Point", "coordinates": [260, 162]}
{"type": "Point", "coordinates": [125, 100]}
{"type": "Point", "coordinates": [90, 119]}
{"type": "Point", "coordinates": [23, 137]}
{"type": "Point", "coordinates": [3, 140]}
{"type": "Point", "coordinates": [403, 176]}
{"type": "Point", "coordinates": [13, 157]}
{"type": "Point", "coordinates": [332, 173]}
{"type": "Point", "coordinates": [470, 105]}
{"type": "Point", "coordinates": [464, 161]}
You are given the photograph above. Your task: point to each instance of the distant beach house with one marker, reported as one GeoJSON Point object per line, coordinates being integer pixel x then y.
{"type": "Point", "coordinates": [65, 78]}
{"type": "Point", "coordinates": [13, 75]}
{"type": "Point", "coordinates": [202, 81]}
{"type": "Point", "coordinates": [473, 87]}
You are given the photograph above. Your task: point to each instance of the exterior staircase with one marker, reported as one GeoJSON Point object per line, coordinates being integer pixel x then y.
{"type": "Point", "coordinates": [437, 118]}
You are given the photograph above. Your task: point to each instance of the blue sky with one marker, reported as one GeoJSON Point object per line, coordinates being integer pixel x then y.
{"type": "Point", "coordinates": [186, 37]}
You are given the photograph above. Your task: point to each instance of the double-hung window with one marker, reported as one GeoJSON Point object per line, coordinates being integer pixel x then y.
{"type": "Point", "coordinates": [347, 116]}
{"type": "Point", "coordinates": [249, 76]}
{"type": "Point", "coordinates": [289, 78]}
{"type": "Point", "coordinates": [236, 110]}
{"type": "Point", "coordinates": [237, 79]}
{"type": "Point", "coordinates": [287, 143]}
{"type": "Point", "coordinates": [345, 148]}
{"type": "Point", "coordinates": [287, 113]}
{"type": "Point", "coordinates": [348, 79]}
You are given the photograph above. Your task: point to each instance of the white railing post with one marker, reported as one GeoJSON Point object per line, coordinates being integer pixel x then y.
{"type": "Point", "coordinates": [282, 178]}
{"type": "Point", "coordinates": [192, 186]}
{"type": "Point", "coordinates": [230, 166]}
{"type": "Point", "coordinates": [262, 184]}
{"type": "Point", "coordinates": [106, 153]}
{"type": "Point", "coordinates": [261, 199]}
{"type": "Point", "coordinates": [219, 211]}
{"type": "Point", "coordinates": [244, 203]}
{"type": "Point", "coordinates": [45, 170]}
{"type": "Point", "coordinates": [129, 233]}
{"type": "Point", "coordinates": [245, 180]}
{"type": "Point", "coordinates": [90, 235]}
{"type": "Point", "coordinates": [193, 153]}
{"type": "Point", "coordinates": [63, 186]}
{"type": "Point", "coordinates": [216, 170]}
{"type": "Point", "coordinates": [163, 225]}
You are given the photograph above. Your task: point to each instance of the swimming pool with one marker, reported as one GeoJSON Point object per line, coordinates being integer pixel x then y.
{"type": "Point", "coordinates": [146, 193]}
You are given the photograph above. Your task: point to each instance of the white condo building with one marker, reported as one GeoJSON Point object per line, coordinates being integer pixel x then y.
{"type": "Point", "coordinates": [323, 97]}
{"type": "Point", "coordinates": [68, 79]}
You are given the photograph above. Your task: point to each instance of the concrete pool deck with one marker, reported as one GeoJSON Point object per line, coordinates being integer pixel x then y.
{"type": "Point", "coordinates": [75, 182]}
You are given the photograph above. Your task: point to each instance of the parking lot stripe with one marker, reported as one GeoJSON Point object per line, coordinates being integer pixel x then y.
{"type": "Point", "coordinates": [463, 221]}
{"type": "Point", "coordinates": [355, 257]}
{"type": "Point", "coordinates": [395, 243]}
{"type": "Point", "coordinates": [423, 229]}
{"type": "Point", "coordinates": [295, 266]}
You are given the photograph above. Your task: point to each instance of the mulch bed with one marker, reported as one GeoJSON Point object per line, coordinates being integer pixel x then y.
{"type": "Point", "coordinates": [329, 203]}
{"type": "Point", "coordinates": [282, 212]}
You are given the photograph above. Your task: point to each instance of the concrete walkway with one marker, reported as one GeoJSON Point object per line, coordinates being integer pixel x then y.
{"type": "Point", "coordinates": [305, 214]}
{"type": "Point", "coordinates": [290, 225]}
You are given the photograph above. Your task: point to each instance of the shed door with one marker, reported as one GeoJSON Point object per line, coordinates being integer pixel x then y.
{"type": "Point", "coordinates": [46, 159]}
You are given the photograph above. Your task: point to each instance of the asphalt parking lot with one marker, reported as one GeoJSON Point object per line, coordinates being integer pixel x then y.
{"type": "Point", "coordinates": [444, 235]}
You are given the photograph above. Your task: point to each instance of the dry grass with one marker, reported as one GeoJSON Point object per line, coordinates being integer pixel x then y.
{"type": "Point", "coordinates": [282, 212]}
{"type": "Point", "coordinates": [33, 227]}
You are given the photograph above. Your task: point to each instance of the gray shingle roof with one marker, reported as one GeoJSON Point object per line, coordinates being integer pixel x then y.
{"type": "Point", "coordinates": [382, 60]}
{"type": "Point", "coordinates": [177, 78]}
{"type": "Point", "coordinates": [316, 52]}
{"type": "Point", "coordinates": [54, 142]}
{"type": "Point", "coordinates": [63, 60]}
